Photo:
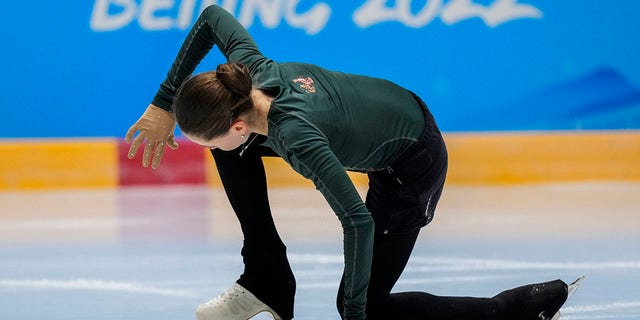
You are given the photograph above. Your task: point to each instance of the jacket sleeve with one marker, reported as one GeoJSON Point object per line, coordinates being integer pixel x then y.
{"type": "Point", "coordinates": [307, 151]}
{"type": "Point", "coordinates": [214, 26]}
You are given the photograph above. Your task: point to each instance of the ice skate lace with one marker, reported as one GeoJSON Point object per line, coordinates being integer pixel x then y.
{"type": "Point", "coordinates": [229, 295]}
{"type": "Point", "coordinates": [237, 300]}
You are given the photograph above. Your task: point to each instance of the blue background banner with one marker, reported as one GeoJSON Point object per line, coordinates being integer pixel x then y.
{"type": "Point", "coordinates": [89, 68]}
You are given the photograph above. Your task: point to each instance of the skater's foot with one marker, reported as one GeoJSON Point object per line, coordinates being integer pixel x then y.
{"type": "Point", "coordinates": [237, 303]}
{"type": "Point", "coordinates": [532, 302]}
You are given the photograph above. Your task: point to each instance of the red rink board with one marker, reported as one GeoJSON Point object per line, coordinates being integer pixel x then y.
{"type": "Point", "coordinates": [182, 166]}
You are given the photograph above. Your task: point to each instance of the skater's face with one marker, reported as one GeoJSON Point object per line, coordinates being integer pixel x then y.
{"type": "Point", "coordinates": [231, 140]}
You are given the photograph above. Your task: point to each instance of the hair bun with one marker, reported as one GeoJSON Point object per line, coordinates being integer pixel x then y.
{"type": "Point", "coordinates": [235, 77]}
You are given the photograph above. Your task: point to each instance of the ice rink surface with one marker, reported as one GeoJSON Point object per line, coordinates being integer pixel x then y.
{"type": "Point", "coordinates": [156, 253]}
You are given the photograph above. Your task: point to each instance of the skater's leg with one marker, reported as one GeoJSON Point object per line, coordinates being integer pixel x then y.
{"type": "Point", "coordinates": [530, 302]}
{"type": "Point", "coordinates": [390, 256]}
{"type": "Point", "coordinates": [399, 201]}
{"type": "Point", "coordinates": [267, 273]}
{"type": "Point", "coordinates": [391, 253]}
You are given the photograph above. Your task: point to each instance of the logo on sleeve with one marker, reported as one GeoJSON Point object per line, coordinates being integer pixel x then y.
{"type": "Point", "coordinates": [305, 84]}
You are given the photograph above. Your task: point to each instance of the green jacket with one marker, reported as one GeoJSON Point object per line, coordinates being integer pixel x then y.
{"type": "Point", "coordinates": [322, 123]}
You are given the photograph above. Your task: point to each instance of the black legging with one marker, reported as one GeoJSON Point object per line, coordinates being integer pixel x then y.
{"type": "Point", "coordinates": [267, 273]}
{"type": "Point", "coordinates": [391, 253]}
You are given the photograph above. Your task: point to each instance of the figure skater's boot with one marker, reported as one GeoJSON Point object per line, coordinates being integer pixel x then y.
{"type": "Point", "coordinates": [533, 302]}
{"type": "Point", "coordinates": [237, 303]}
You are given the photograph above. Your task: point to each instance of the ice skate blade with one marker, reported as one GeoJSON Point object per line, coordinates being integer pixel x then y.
{"type": "Point", "coordinates": [571, 289]}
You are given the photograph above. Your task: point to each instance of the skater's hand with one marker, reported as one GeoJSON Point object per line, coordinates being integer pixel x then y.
{"type": "Point", "coordinates": [156, 130]}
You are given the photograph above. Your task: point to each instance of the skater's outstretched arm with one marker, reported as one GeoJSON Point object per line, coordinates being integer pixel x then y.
{"type": "Point", "coordinates": [215, 26]}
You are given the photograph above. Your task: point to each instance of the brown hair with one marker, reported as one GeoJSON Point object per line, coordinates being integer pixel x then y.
{"type": "Point", "coordinates": [207, 104]}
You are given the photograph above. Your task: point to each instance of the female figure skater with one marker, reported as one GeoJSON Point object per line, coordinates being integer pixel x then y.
{"type": "Point", "coordinates": [322, 123]}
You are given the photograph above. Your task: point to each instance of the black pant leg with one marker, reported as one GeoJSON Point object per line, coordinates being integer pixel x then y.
{"type": "Point", "coordinates": [245, 184]}
{"type": "Point", "coordinates": [267, 273]}
{"type": "Point", "coordinates": [390, 256]}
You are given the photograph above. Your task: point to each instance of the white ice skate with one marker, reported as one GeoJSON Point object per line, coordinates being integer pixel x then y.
{"type": "Point", "coordinates": [570, 291]}
{"type": "Point", "coordinates": [237, 303]}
